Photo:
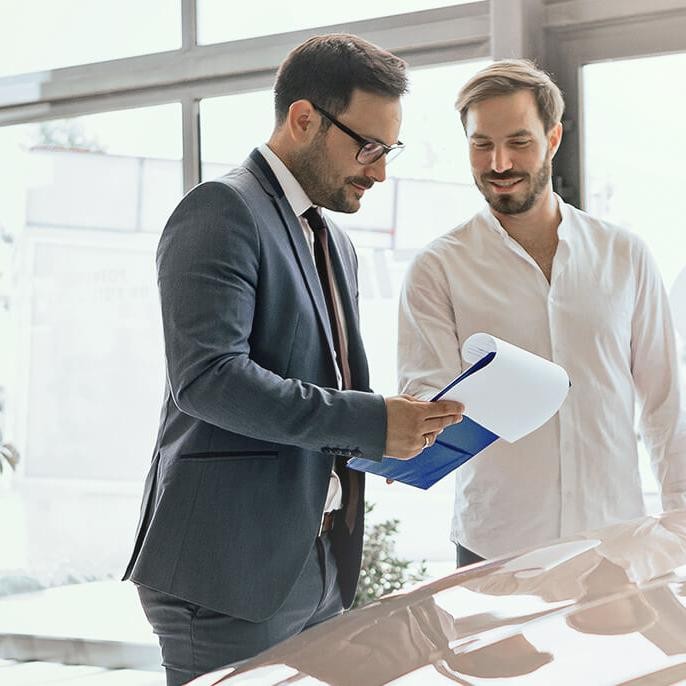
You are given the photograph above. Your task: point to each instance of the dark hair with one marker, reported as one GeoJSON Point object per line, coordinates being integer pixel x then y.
{"type": "Point", "coordinates": [327, 69]}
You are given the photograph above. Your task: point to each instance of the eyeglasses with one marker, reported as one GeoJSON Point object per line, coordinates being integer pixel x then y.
{"type": "Point", "coordinates": [370, 151]}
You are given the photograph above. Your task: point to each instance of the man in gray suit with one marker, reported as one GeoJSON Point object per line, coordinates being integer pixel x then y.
{"type": "Point", "coordinates": [251, 525]}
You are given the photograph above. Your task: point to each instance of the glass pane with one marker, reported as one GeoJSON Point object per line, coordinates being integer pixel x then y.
{"type": "Point", "coordinates": [631, 134]}
{"type": "Point", "coordinates": [47, 34]}
{"type": "Point", "coordinates": [81, 356]}
{"type": "Point", "coordinates": [633, 140]}
{"type": "Point", "coordinates": [429, 190]}
{"type": "Point", "coordinates": [231, 126]}
{"type": "Point", "coordinates": [218, 20]}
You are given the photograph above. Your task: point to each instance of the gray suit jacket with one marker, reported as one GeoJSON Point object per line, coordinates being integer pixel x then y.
{"type": "Point", "coordinates": [251, 421]}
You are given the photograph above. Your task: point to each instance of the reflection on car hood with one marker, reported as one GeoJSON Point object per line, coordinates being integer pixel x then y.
{"type": "Point", "coordinates": [605, 607]}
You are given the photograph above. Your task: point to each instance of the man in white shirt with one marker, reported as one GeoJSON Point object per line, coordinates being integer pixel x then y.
{"type": "Point", "coordinates": [541, 274]}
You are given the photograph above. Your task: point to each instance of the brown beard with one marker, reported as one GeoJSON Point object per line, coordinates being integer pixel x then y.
{"type": "Point", "coordinates": [312, 169]}
{"type": "Point", "coordinates": [509, 204]}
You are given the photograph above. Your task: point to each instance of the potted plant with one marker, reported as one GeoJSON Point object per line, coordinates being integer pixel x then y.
{"type": "Point", "coordinates": [382, 571]}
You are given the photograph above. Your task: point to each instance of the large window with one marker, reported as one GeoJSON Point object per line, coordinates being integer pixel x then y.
{"type": "Point", "coordinates": [100, 137]}
{"type": "Point", "coordinates": [633, 140]}
{"type": "Point", "coordinates": [87, 210]}
{"type": "Point", "coordinates": [230, 126]}
{"type": "Point", "coordinates": [83, 199]}
{"type": "Point", "coordinates": [47, 34]}
{"type": "Point", "coordinates": [81, 358]}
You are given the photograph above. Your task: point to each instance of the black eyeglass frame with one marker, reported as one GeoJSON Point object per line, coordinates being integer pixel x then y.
{"type": "Point", "coordinates": [392, 150]}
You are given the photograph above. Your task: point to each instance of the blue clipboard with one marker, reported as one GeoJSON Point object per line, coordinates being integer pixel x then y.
{"type": "Point", "coordinates": [453, 447]}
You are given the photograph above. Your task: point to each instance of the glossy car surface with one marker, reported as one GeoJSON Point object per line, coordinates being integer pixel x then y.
{"type": "Point", "coordinates": [605, 607]}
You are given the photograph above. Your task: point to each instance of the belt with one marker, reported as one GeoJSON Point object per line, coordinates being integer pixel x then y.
{"type": "Point", "coordinates": [327, 523]}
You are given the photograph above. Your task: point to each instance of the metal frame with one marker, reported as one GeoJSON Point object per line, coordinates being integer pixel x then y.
{"type": "Point", "coordinates": [561, 36]}
{"type": "Point", "coordinates": [459, 32]}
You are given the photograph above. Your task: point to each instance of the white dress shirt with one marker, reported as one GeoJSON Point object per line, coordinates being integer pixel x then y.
{"type": "Point", "coordinates": [605, 318]}
{"type": "Point", "coordinates": [298, 200]}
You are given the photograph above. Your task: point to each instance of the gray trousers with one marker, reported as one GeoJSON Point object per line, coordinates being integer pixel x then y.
{"type": "Point", "coordinates": [195, 640]}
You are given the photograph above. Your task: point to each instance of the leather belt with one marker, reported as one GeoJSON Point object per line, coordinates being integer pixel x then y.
{"type": "Point", "coordinates": [327, 523]}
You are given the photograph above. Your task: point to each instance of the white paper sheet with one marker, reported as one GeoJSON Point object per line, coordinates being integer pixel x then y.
{"type": "Point", "coordinates": [515, 393]}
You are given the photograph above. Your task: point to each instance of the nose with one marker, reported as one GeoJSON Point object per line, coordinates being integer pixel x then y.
{"type": "Point", "coordinates": [377, 170]}
{"type": "Point", "coordinates": [500, 159]}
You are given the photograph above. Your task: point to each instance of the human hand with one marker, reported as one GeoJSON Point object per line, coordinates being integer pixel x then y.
{"type": "Point", "coordinates": [413, 425]}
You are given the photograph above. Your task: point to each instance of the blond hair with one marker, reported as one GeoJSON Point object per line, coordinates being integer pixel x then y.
{"type": "Point", "coordinates": [506, 77]}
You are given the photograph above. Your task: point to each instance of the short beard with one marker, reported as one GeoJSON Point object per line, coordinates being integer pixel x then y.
{"type": "Point", "coordinates": [312, 170]}
{"type": "Point", "coordinates": [509, 204]}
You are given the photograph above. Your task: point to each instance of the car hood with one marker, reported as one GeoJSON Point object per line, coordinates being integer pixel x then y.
{"type": "Point", "coordinates": [607, 606]}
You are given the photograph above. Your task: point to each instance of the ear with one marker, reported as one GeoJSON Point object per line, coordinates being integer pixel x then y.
{"type": "Point", "coordinates": [554, 139]}
{"type": "Point", "coordinates": [302, 121]}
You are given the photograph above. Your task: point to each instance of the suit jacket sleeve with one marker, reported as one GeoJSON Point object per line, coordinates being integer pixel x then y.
{"type": "Point", "coordinates": [208, 267]}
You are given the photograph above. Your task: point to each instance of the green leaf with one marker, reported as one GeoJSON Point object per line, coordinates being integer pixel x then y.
{"type": "Point", "coordinates": [382, 572]}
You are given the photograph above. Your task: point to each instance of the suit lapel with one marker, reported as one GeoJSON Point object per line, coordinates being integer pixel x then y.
{"type": "Point", "coordinates": [346, 280]}
{"type": "Point", "coordinates": [261, 169]}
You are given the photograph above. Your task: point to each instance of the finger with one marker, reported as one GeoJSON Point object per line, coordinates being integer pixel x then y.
{"type": "Point", "coordinates": [443, 408]}
{"type": "Point", "coordinates": [438, 424]}
{"type": "Point", "coordinates": [442, 411]}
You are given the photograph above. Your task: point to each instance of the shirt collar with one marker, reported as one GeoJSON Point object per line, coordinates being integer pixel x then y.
{"type": "Point", "coordinates": [296, 196]}
{"type": "Point", "coordinates": [563, 230]}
